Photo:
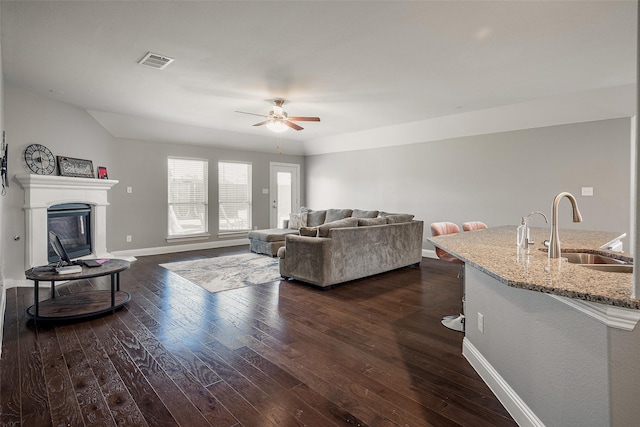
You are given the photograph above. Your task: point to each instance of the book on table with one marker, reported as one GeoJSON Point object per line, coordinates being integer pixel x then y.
{"type": "Point", "coordinates": [68, 269]}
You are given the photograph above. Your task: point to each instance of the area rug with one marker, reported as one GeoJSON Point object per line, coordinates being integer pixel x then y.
{"type": "Point", "coordinates": [227, 272]}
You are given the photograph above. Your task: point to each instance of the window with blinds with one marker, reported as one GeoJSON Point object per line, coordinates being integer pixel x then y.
{"type": "Point", "coordinates": [234, 196]}
{"type": "Point", "coordinates": [188, 201]}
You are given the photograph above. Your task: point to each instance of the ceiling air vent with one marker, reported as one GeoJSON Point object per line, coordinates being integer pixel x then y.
{"type": "Point", "coordinates": [154, 60]}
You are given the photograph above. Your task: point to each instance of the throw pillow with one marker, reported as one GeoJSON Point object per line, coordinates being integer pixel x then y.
{"type": "Point", "coordinates": [398, 218]}
{"type": "Point", "coordinates": [297, 220]}
{"type": "Point", "coordinates": [323, 230]}
{"type": "Point", "coordinates": [357, 213]}
{"type": "Point", "coordinates": [363, 222]}
{"type": "Point", "coordinates": [309, 231]}
{"type": "Point", "coordinates": [315, 218]}
{"type": "Point", "coordinates": [337, 214]}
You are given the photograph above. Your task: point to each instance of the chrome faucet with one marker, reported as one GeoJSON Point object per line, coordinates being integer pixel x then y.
{"type": "Point", "coordinates": [554, 241]}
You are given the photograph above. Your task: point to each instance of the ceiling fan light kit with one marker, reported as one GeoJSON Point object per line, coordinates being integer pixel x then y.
{"type": "Point", "coordinates": [278, 120]}
{"type": "Point", "coordinates": [276, 126]}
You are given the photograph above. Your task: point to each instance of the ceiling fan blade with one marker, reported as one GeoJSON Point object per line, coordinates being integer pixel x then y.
{"type": "Point", "coordinates": [305, 119]}
{"type": "Point", "coordinates": [262, 123]}
{"type": "Point", "coordinates": [292, 125]}
{"type": "Point", "coordinates": [253, 114]}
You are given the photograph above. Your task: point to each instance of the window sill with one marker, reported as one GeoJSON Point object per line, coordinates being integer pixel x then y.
{"type": "Point", "coordinates": [188, 238]}
{"type": "Point", "coordinates": [232, 234]}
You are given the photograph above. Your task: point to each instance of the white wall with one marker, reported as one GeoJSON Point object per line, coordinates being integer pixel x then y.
{"type": "Point", "coordinates": [494, 178]}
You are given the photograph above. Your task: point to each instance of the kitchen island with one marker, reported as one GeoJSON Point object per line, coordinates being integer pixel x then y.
{"type": "Point", "coordinates": [556, 342]}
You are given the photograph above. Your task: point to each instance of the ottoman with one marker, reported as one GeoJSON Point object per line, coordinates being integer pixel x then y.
{"type": "Point", "coordinates": [268, 241]}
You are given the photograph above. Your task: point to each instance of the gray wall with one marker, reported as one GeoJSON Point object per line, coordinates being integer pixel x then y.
{"type": "Point", "coordinates": [66, 130]}
{"type": "Point", "coordinates": [143, 166]}
{"type": "Point", "coordinates": [494, 178]}
{"type": "Point", "coordinates": [2, 235]}
{"type": "Point", "coordinates": [554, 357]}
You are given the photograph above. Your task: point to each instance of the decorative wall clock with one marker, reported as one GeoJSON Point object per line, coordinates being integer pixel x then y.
{"type": "Point", "coordinates": [40, 159]}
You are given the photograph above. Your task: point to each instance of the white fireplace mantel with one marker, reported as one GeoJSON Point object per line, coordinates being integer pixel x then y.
{"type": "Point", "coordinates": [43, 191]}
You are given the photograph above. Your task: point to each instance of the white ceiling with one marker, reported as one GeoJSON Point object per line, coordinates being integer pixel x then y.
{"type": "Point", "coordinates": [357, 65]}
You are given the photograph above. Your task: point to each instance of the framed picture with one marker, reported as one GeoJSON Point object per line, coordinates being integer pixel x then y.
{"type": "Point", "coordinates": [68, 166]}
{"type": "Point", "coordinates": [102, 172]}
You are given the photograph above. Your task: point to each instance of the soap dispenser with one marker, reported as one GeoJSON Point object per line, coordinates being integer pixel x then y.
{"type": "Point", "coordinates": [522, 236]}
{"type": "Point", "coordinates": [523, 239]}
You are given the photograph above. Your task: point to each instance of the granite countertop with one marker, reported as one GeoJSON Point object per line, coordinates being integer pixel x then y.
{"type": "Point", "coordinates": [494, 251]}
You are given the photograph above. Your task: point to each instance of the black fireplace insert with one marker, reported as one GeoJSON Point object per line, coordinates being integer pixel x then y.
{"type": "Point", "coordinates": [72, 223]}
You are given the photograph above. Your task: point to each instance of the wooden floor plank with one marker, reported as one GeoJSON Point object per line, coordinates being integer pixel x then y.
{"type": "Point", "coordinates": [123, 407]}
{"type": "Point", "coordinates": [366, 353]}
{"type": "Point", "coordinates": [93, 406]}
{"type": "Point", "coordinates": [210, 408]}
{"type": "Point", "coordinates": [35, 408]}
{"type": "Point", "coordinates": [151, 406]}
{"type": "Point", "coordinates": [173, 397]}
{"type": "Point", "coordinates": [65, 409]}
{"type": "Point", "coordinates": [10, 390]}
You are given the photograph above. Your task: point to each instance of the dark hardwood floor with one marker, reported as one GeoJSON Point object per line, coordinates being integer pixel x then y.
{"type": "Point", "coordinates": [368, 353]}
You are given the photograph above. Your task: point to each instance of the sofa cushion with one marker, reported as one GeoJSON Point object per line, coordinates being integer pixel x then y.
{"type": "Point", "coordinates": [323, 230]}
{"type": "Point", "coordinates": [357, 213]}
{"type": "Point", "coordinates": [314, 218]}
{"type": "Point", "coordinates": [398, 218]}
{"type": "Point", "coordinates": [363, 222]}
{"type": "Point", "coordinates": [308, 231]}
{"type": "Point", "coordinates": [337, 214]}
{"type": "Point", "coordinates": [297, 220]}
{"type": "Point", "coordinates": [270, 235]}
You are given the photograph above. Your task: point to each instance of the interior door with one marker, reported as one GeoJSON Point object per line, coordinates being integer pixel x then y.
{"type": "Point", "coordinates": [284, 192]}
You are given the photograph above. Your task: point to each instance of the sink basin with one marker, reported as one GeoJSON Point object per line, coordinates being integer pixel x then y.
{"type": "Point", "coordinates": [611, 268]}
{"type": "Point", "coordinates": [587, 258]}
{"type": "Point", "coordinates": [598, 262]}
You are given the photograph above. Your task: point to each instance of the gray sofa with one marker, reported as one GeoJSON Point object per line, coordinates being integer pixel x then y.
{"type": "Point", "coordinates": [268, 241]}
{"type": "Point", "coordinates": [351, 248]}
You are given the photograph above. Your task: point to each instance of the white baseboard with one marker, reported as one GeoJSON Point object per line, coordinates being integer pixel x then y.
{"type": "Point", "coordinates": [429, 253]}
{"type": "Point", "coordinates": [521, 413]}
{"type": "Point", "coordinates": [180, 248]}
{"type": "Point", "coordinates": [17, 283]}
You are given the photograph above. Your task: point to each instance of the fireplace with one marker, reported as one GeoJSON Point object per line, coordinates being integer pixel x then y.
{"type": "Point", "coordinates": [71, 222]}
{"type": "Point", "coordinates": [41, 192]}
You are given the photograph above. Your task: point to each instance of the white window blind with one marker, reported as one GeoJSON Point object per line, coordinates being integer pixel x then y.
{"type": "Point", "coordinates": [234, 192]}
{"type": "Point", "coordinates": [188, 199]}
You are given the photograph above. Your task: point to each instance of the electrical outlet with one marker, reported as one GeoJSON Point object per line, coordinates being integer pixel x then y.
{"type": "Point", "coordinates": [128, 239]}
{"type": "Point", "coordinates": [481, 322]}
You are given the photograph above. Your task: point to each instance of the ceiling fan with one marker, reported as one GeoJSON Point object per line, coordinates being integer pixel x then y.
{"type": "Point", "coordinates": [278, 120]}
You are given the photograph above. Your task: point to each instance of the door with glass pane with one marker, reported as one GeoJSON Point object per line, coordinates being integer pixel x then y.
{"type": "Point", "coordinates": [284, 192]}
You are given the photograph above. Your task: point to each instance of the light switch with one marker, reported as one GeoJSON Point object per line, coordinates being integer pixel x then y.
{"type": "Point", "coordinates": [587, 191]}
{"type": "Point", "coordinates": [129, 190]}
{"type": "Point", "coordinates": [265, 191]}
